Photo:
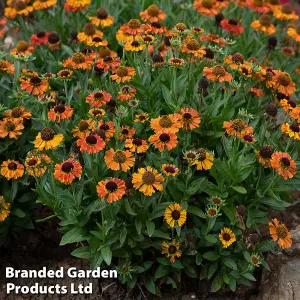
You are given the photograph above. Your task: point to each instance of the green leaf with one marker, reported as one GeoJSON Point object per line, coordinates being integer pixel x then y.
{"type": "Point", "coordinates": [163, 261]}
{"type": "Point", "coordinates": [161, 234]}
{"type": "Point", "coordinates": [226, 278]}
{"type": "Point", "coordinates": [229, 262]}
{"type": "Point", "coordinates": [161, 271]}
{"type": "Point", "coordinates": [195, 185]}
{"type": "Point", "coordinates": [196, 211]}
{"type": "Point", "coordinates": [123, 235]}
{"type": "Point", "coordinates": [239, 189]}
{"type": "Point", "coordinates": [211, 238]}
{"type": "Point", "coordinates": [150, 227]}
{"type": "Point", "coordinates": [212, 270]}
{"type": "Point", "coordinates": [18, 212]}
{"type": "Point", "coordinates": [210, 225]}
{"type": "Point", "coordinates": [249, 276]}
{"type": "Point", "coordinates": [211, 255]}
{"type": "Point", "coordinates": [232, 283]}
{"type": "Point", "coordinates": [106, 255]}
{"type": "Point", "coordinates": [82, 252]}
{"type": "Point", "coordinates": [128, 208]}
{"type": "Point", "coordinates": [73, 236]}
{"type": "Point", "coordinates": [198, 259]}
{"type": "Point", "coordinates": [217, 283]}
{"type": "Point", "coordinates": [150, 286]}
{"type": "Point", "coordinates": [138, 226]}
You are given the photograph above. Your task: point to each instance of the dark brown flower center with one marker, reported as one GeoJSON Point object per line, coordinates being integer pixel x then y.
{"type": "Point", "coordinates": [155, 25]}
{"type": "Point", "coordinates": [202, 154]}
{"type": "Point", "coordinates": [97, 112]}
{"type": "Point", "coordinates": [295, 127]}
{"type": "Point", "coordinates": [287, 8]}
{"type": "Point", "coordinates": [170, 169]}
{"type": "Point", "coordinates": [248, 138]}
{"type": "Point", "coordinates": [265, 20]}
{"type": "Point", "coordinates": [164, 137]}
{"type": "Point", "coordinates": [65, 73]}
{"type": "Point", "coordinates": [207, 3]}
{"type": "Point", "coordinates": [67, 167]}
{"type": "Point", "coordinates": [148, 178]}
{"type": "Point", "coordinates": [102, 13]}
{"type": "Point", "coordinates": [254, 260]}
{"type": "Point", "coordinates": [218, 71]}
{"type": "Point", "coordinates": [266, 151]}
{"type": "Point", "coordinates": [176, 61]}
{"type": "Point", "coordinates": [98, 96]}
{"type": "Point", "coordinates": [274, 2]}
{"type": "Point", "coordinates": [180, 27]}
{"type": "Point", "coordinates": [35, 81]}
{"type": "Point", "coordinates": [175, 215]}
{"type": "Point", "coordinates": [258, 2]}
{"type": "Point", "coordinates": [120, 157]}
{"type": "Point", "coordinates": [16, 112]}
{"type": "Point", "coordinates": [91, 139]}
{"type": "Point", "coordinates": [12, 166]}
{"type": "Point", "coordinates": [172, 249]}
{"type": "Point", "coordinates": [122, 71]}
{"type": "Point", "coordinates": [104, 127]}
{"type": "Point", "coordinates": [41, 34]}
{"type": "Point", "coordinates": [20, 5]}
{"type": "Point", "coordinates": [47, 134]}
{"type": "Point", "coordinates": [238, 125]}
{"type": "Point", "coordinates": [108, 59]}
{"type": "Point", "coordinates": [192, 44]}
{"type": "Point", "coordinates": [147, 39]}
{"type": "Point", "coordinates": [226, 237]}
{"type": "Point", "coordinates": [216, 200]}
{"type": "Point", "coordinates": [153, 10]}
{"type": "Point", "coordinates": [135, 44]}
{"type": "Point", "coordinates": [134, 24]}
{"type": "Point", "coordinates": [212, 212]}
{"type": "Point", "coordinates": [83, 125]}
{"type": "Point", "coordinates": [233, 22]}
{"type": "Point", "coordinates": [60, 108]}
{"type": "Point", "coordinates": [97, 39]}
{"type": "Point", "coordinates": [111, 186]}
{"type": "Point", "coordinates": [281, 231]}
{"type": "Point", "coordinates": [238, 58]}
{"type": "Point", "coordinates": [191, 155]}
{"type": "Point", "coordinates": [103, 52]}
{"type": "Point", "coordinates": [165, 122]}
{"type": "Point", "coordinates": [292, 103]}
{"type": "Point", "coordinates": [284, 79]}
{"type": "Point", "coordinates": [53, 38]}
{"type": "Point", "coordinates": [10, 126]}
{"type": "Point", "coordinates": [137, 142]}
{"type": "Point", "coordinates": [3, 64]}
{"type": "Point", "coordinates": [187, 117]}
{"type": "Point", "coordinates": [285, 162]}
{"type": "Point", "coordinates": [78, 58]}
{"type": "Point", "coordinates": [125, 131]}
{"type": "Point", "coordinates": [89, 29]}
{"type": "Point", "coordinates": [99, 132]}
{"type": "Point", "coordinates": [22, 46]}
{"type": "Point", "coordinates": [32, 162]}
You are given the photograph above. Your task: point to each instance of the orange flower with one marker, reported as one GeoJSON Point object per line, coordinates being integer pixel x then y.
{"type": "Point", "coordinates": [264, 155]}
{"type": "Point", "coordinates": [84, 128]}
{"type": "Point", "coordinates": [22, 49]}
{"type": "Point", "coordinates": [235, 60]}
{"type": "Point", "coordinates": [264, 25]}
{"type": "Point", "coordinates": [60, 112]}
{"type": "Point", "coordinates": [18, 8]}
{"type": "Point", "coordinates": [79, 61]}
{"type": "Point", "coordinates": [91, 143]}
{"type": "Point", "coordinates": [11, 128]}
{"type": "Point", "coordinates": [292, 130]}
{"type": "Point", "coordinates": [111, 190]}
{"type": "Point", "coordinates": [134, 46]}
{"type": "Point", "coordinates": [191, 46]}
{"type": "Point", "coordinates": [105, 51]}
{"type": "Point", "coordinates": [294, 33]}
{"type": "Point", "coordinates": [258, 5]}
{"type": "Point", "coordinates": [122, 74]}
{"type": "Point", "coordinates": [67, 171]}
{"type": "Point", "coordinates": [47, 139]}
{"type": "Point", "coordinates": [35, 85]}
{"type": "Point", "coordinates": [283, 164]}
{"type": "Point", "coordinates": [170, 170]}
{"type": "Point", "coordinates": [152, 14]}
{"type": "Point", "coordinates": [286, 12]}
{"type": "Point", "coordinates": [283, 83]}
{"type": "Point", "coordinates": [217, 73]}
{"type": "Point", "coordinates": [90, 31]}
{"type": "Point", "coordinates": [136, 145]}
{"type": "Point", "coordinates": [126, 93]}
{"type": "Point", "coordinates": [147, 180]}
{"type": "Point", "coordinates": [36, 165]}
{"type": "Point", "coordinates": [189, 118]}
{"type": "Point", "coordinates": [108, 127]}
{"type": "Point", "coordinates": [204, 159]}
{"type": "Point", "coordinates": [76, 5]}
{"type": "Point", "coordinates": [164, 139]}
{"type": "Point", "coordinates": [206, 7]}
{"type": "Point", "coordinates": [280, 233]}
{"type": "Point", "coordinates": [133, 27]}
{"type": "Point", "coordinates": [98, 99]}
{"type": "Point", "coordinates": [257, 92]}
{"type": "Point", "coordinates": [214, 38]}
{"type": "Point", "coordinates": [12, 169]}
{"type": "Point", "coordinates": [97, 113]}
{"type": "Point", "coordinates": [126, 132]}
{"type": "Point", "coordinates": [19, 112]}
{"type": "Point", "coordinates": [41, 38]}
{"type": "Point", "coordinates": [170, 122]}
{"type": "Point", "coordinates": [102, 18]}
{"type": "Point", "coordinates": [238, 128]}
{"type": "Point", "coordinates": [119, 160]}
{"type": "Point", "coordinates": [141, 118]}
{"type": "Point", "coordinates": [107, 63]}
{"type": "Point", "coordinates": [232, 25]}
{"type": "Point", "coordinates": [154, 28]}
{"type": "Point", "coordinates": [43, 4]}
{"type": "Point", "coordinates": [6, 67]}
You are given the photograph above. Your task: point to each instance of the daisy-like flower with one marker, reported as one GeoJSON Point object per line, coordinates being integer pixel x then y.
{"type": "Point", "coordinates": [292, 130]}
{"type": "Point", "coordinates": [189, 118]}
{"type": "Point", "coordinates": [280, 233]}
{"type": "Point", "coordinates": [214, 38]}
{"type": "Point", "coordinates": [67, 171]}
{"type": "Point", "coordinates": [41, 38]}
{"type": "Point", "coordinates": [286, 13]}
{"type": "Point", "coordinates": [107, 63]}
{"type": "Point", "coordinates": [105, 51]}
{"type": "Point", "coordinates": [76, 5]}
{"type": "Point", "coordinates": [234, 61]}
{"type": "Point", "coordinates": [264, 155]}
{"type": "Point", "coordinates": [60, 112]}
{"type": "Point", "coordinates": [283, 82]}
{"type": "Point", "coordinates": [158, 60]}
{"type": "Point", "coordinates": [147, 180]}
{"type": "Point", "coordinates": [126, 93]}
{"type": "Point", "coordinates": [217, 73]}
{"type": "Point", "coordinates": [6, 67]}
{"type": "Point", "coordinates": [152, 14]}
{"type": "Point", "coordinates": [154, 28]}
{"type": "Point", "coordinates": [108, 127]}
{"type": "Point", "coordinates": [205, 160]}
{"type": "Point", "coordinates": [84, 128]}
{"type": "Point", "coordinates": [175, 215]}
{"type": "Point", "coordinates": [43, 4]}
{"type": "Point", "coordinates": [19, 112]}
{"type": "Point", "coordinates": [12, 169]}
{"type": "Point", "coordinates": [102, 18]}
{"type": "Point", "coordinates": [134, 46]}
{"type": "Point", "coordinates": [112, 189]}
{"type": "Point", "coordinates": [18, 8]}
{"type": "Point", "coordinates": [255, 260]}
{"type": "Point", "coordinates": [119, 160]}
{"type": "Point", "coordinates": [133, 27]}
{"type": "Point", "coordinates": [22, 49]}
{"type": "Point", "coordinates": [98, 99]}
{"type": "Point", "coordinates": [215, 200]}
{"type": "Point", "coordinates": [227, 237]}
{"type": "Point", "coordinates": [92, 143]}
{"type": "Point", "coordinates": [192, 46]}
{"type": "Point", "coordinates": [288, 51]}
{"type": "Point", "coordinates": [169, 122]}
{"type": "Point", "coordinates": [136, 145]}
{"type": "Point", "coordinates": [35, 85]}
{"type": "Point", "coordinates": [176, 62]}
{"type": "Point", "coordinates": [170, 170]}
{"type": "Point", "coordinates": [238, 128]}
{"type": "Point", "coordinates": [294, 33]}
{"type": "Point", "coordinates": [191, 156]}
{"type": "Point", "coordinates": [172, 249]}
{"type": "Point", "coordinates": [37, 165]}
{"type": "Point", "coordinates": [206, 7]}
{"type": "Point", "coordinates": [4, 209]}
{"type": "Point", "coordinates": [11, 128]}
{"type": "Point", "coordinates": [79, 61]}
{"type": "Point", "coordinates": [97, 42]}
{"type": "Point", "coordinates": [264, 25]}
{"type": "Point", "coordinates": [212, 211]}
{"type": "Point", "coordinates": [126, 132]}
{"type": "Point", "coordinates": [65, 74]}
{"type": "Point", "coordinates": [245, 69]}
{"type": "Point", "coordinates": [261, 6]}
{"type": "Point", "coordinates": [287, 104]}
{"type": "Point", "coordinates": [164, 139]}
{"type": "Point", "coordinates": [232, 25]}
{"type": "Point", "coordinates": [97, 113]}
{"type": "Point", "coordinates": [122, 74]}
{"type": "Point", "coordinates": [141, 118]}
{"type": "Point", "coordinates": [248, 139]}
{"type": "Point", "coordinates": [283, 164]}
{"type": "Point", "coordinates": [47, 139]}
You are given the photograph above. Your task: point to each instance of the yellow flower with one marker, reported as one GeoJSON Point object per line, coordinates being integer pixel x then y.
{"type": "Point", "coordinates": [174, 214]}
{"type": "Point", "coordinates": [227, 237]}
